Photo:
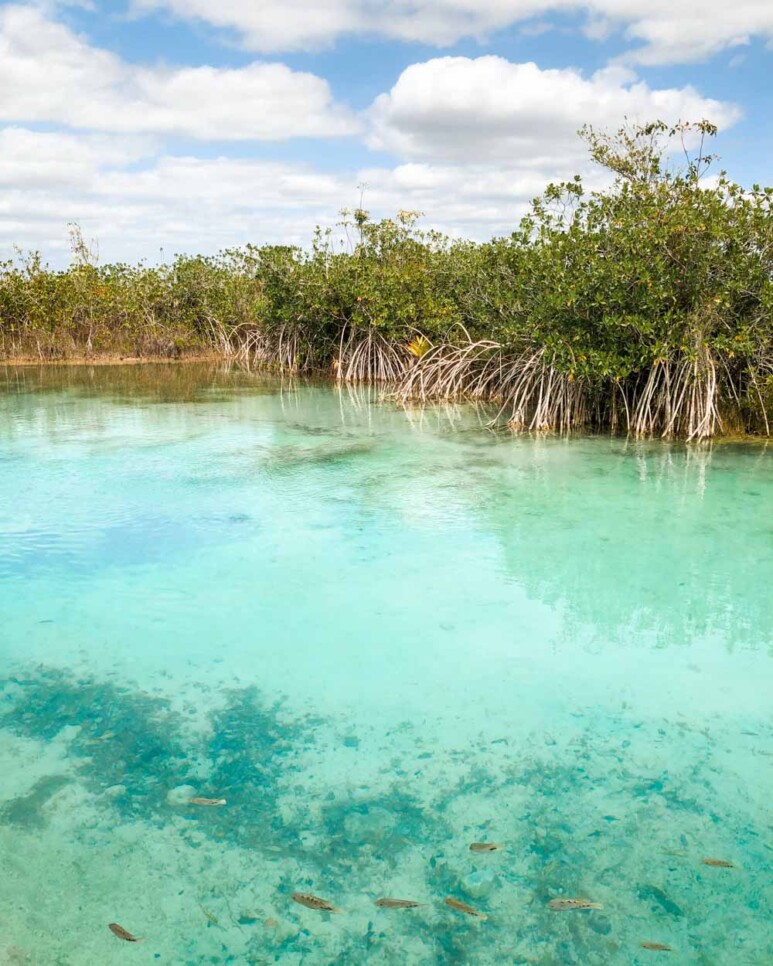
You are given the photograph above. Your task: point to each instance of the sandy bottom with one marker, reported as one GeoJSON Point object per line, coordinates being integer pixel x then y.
{"type": "Point", "coordinates": [380, 639]}
{"type": "Point", "coordinates": [96, 826]}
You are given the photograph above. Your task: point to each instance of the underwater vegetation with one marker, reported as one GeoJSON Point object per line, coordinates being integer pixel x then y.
{"type": "Point", "coordinates": [134, 742]}
{"type": "Point", "coordinates": [286, 459]}
{"type": "Point", "coordinates": [646, 307]}
{"type": "Point", "coordinates": [275, 648]}
{"type": "Point", "coordinates": [595, 861]}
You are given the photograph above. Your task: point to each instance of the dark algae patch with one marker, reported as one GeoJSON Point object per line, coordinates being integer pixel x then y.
{"type": "Point", "coordinates": [124, 737]}
{"type": "Point", "coordinates": [250, 754]}
{"type": "Point", "coordinates": [659, 900]}
{"type": "Point", "coordinates": [352, 845]}
{"type": "Point", "coordinates": [133, 740]}
{"type": "Point", "coordinates": [385, 825]}
{"type": "Point", "coordinates": [28, 810]}
{"type": "Point", "coordinates": [290, 459]}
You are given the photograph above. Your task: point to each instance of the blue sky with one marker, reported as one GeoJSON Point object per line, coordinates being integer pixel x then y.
{"type": "Point", "coordinates": [186, 125]}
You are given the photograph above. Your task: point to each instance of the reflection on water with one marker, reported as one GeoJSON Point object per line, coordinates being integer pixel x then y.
{"type": "Point", "coordinates": [152, 382]}
{"type": "Point", "coordinates": [380, 636]}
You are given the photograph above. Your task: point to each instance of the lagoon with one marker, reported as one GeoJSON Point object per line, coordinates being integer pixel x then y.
{"type": "Point", "coordinates": [380, 635]}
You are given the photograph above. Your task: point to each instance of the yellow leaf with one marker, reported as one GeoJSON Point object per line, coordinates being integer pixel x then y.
{"type": "Point", "coordinates": [418, 346]}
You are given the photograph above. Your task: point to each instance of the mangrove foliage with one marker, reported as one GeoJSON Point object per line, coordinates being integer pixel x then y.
{"type": "Point", "coordinates": [646, 306]}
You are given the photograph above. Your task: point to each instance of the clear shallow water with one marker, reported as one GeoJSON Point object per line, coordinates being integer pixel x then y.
{"type": "Point", "coordinates": [380, 636]}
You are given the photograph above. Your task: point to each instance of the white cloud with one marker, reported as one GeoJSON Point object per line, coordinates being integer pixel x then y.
{"type": "Point", "coordinates": [277, 25]}
{"type": "Point", "coordinates": [664, 31]}
{"type": "Point", "coordinates": [688, 30]}
{"type": "Point", "coordinates": [47, 73]}
{"type": "Point", "coordinates": [195, 204]}
{"type": "Point", "coordinates": [174, 203]}
{"type": "Point", "coordinates": [475, 140]}
{"type": "Point", "coordinates": [35, 160]}
{"type": "Point", "coordinates": [489, 108]}
{"type": "Point", "coordinates": [270, 25]}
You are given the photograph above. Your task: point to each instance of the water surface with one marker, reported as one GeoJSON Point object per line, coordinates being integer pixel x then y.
{"type": "Point", "coordinates": [380, 636]}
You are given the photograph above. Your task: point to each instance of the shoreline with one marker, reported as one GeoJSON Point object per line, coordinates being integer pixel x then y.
{"type": "Point", "coordinates": [107, 359]}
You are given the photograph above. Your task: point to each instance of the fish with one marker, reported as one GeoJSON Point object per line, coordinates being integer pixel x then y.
{"type": "Point", "coordinates": [656, 947]}
{"type": "Point", "coordinates": [463, 907]}
{"type": "Point", "coordinates": [122, 933]}
{"type": "Point", "coordinates": [313, 902]}
{"type": "Point", "coordinates": [207, 801]}
{"type": "Point", "coordinates": [718, 863]}
{"type": "Point", "coordinates": [563, 905]}
{"type": "Point", "coordinates": [485, 847]}
{"type": "Point", "coordinates": [209, 915]}
{"type": "Point", "coordinates": [397, 904]}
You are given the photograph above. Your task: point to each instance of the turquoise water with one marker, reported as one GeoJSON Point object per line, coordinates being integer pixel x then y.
{"type": "Point", "coordinates": [380, 636]}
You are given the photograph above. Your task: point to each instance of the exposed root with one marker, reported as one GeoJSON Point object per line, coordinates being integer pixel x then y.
{"type": "Point", "coordinates": [288, 349]}
{"type": "Point", "coordinates": [539, 397]}
{"type": "Point", "coordinates": [762, 369]}
{"type": "Point", "coordinates": [681, 397]}
{"type": "Point", "coordinates": [369, 357]}
{"type": "Point", "coordinates": [684, 394]}
{"type": "Point", "coordinates": [472, 371]}
{"type": "Point", "coordinates": [531, 392]}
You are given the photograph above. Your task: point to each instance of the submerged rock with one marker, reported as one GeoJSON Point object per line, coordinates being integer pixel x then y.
{"type": "Point", "coordinates": [479, 882]}
{"type": "Point", "coordinates": [310, 839]}
{"type": "Point", "coordinates": [181, 795]}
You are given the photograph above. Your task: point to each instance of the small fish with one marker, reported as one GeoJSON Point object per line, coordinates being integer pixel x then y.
{"type": "Point", "coordinates": [122, 933]}
{"type": "Point", "coordinates": [563, 905]}
{"type": "Point", "coordinates": [463, 907]}
{"type": "Point", "coordinates": [485, 847]}
{"type": "Point", "coordinates": [313, 902]}
{"type": "Point", "coordinates": [106, 736]}
{"type": "Point", "coordinates": [207, 801]}
{"type": "Point", "coordinates": [210, 915]}
{"type": "Point", "coordinates": [656, 947]}
{"type": "Point", "coordinates": [397, 904]}
{"type": "Point", "coordinates": [718, 863]}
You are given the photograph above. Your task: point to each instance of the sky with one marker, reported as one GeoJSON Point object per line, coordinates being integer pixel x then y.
{"type": "Point", "coordinates": [171, 126]}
